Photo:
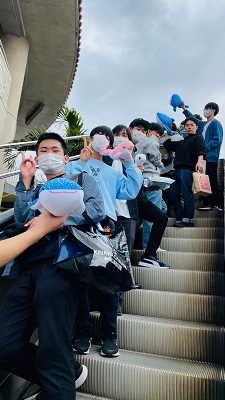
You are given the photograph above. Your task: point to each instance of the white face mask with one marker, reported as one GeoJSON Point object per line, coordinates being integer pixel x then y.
{"type": "Point", "coordinates": [137, 136]}
{"type": "Point", "coordinates": [118, 140]}
{"type": "Point", "coordinates": [51, 163]}
{"type": "Point", "coordinates": [207, 112]}
{"type": "Point", "coordinates": [100, 143]}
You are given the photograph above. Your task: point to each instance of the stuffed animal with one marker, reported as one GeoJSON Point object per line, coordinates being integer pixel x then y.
{"type": "Point", "coordinates": [123, 151]}
{"type": "Point", "coordinates": [165, 122]}
{"type": "Point", "coordinates": [176, 101]}
{"type": "Point", "coordinates": [60, 197]}
{"type": "Point", "coordinates": [139, 159]}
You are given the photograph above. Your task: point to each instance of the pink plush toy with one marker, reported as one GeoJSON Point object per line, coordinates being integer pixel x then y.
{"type": "Point", "coordinates": [123, 151]}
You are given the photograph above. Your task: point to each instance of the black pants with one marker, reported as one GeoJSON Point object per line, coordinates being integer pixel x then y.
{"type": "Point", "coordinates": [151, 213]}
{"type": "Point", "coordinates": [214, 198]}
{"type": "Point", "coordinates": [46, 298]}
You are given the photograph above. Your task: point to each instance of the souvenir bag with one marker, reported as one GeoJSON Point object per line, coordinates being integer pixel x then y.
{"type": "Point", "coordinates": [201, 184]}
{"type": "Point", "coordinates": [100, 260]}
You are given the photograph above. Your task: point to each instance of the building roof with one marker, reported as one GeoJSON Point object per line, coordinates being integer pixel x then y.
{"type": "Point", "coordinates": [53, 30]}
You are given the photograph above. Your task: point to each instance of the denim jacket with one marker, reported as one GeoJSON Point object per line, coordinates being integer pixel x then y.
{"type": "Point", "coordinates": [213, 137]}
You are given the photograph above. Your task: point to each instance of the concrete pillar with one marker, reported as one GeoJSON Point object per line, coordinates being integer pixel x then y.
{"type": "Point", "coordinates": [16, 50]}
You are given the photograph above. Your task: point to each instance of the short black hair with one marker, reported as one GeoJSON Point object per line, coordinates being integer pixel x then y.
{"type": "Point", "coordinates": [140, 122]}
{"type": "Point", "coordinates": [174, 127]}
{"type": "Point", "coordinates": [106, 131]}
{"type": "Point", "coordinates": [53, 136]}
{"type": "Point", "coordinates": [154, 126]}
{"type": "Point", "coordinates": [198, 116]}
{"type": "Point", "coordinates": [119, 128]}
{"type": "Point", "coordinates": [214, 106]}
{"type": "Point", "coordinates": [193, 119]}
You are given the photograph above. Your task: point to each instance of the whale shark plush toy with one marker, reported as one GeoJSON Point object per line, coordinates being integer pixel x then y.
{"type": "Point", "coordinates": [176, 101]}
{"type": "Point", "coordinates": [165, 122]}
{"type": "Point", "coordinates": [60, 197]}
{"type": "Point", "coordinates": [123, 151]}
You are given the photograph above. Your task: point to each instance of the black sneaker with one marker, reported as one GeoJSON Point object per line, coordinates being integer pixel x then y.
{"type": "Point", "coordinates": [184, 224]}
{"type": "Point", "coordinates": [82, 344]}
{"type": "Point", "coordinates": [110, 346]}
{"type": "Point", "coordinates": [204, 208]}
{"type": "Point", "coordinates": [218, 208]}
{"type": "Point", "coordinates": [81, 373]}
{"type": "Point", "coordinates": [152, 262]}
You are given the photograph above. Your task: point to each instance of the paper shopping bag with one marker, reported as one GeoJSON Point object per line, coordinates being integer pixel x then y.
{"type": "Point", "coordinates": [201, 184]}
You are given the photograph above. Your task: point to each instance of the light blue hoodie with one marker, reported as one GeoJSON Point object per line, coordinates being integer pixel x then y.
{"type": "Point", "coordinates": [113, 184]}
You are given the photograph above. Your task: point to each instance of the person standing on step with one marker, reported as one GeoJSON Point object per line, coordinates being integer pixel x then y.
{"type": "Point", "coordinates": [189, 155]}
{"type": "Point", "coordinates": [212, 132]}
{"type": "Point", "coordinates": [147, 210]}
{"type": "Point", "coordinates": [114, 185]}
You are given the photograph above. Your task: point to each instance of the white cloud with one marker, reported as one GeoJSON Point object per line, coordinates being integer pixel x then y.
{"type": "Point", "coordinates": [135, 54]}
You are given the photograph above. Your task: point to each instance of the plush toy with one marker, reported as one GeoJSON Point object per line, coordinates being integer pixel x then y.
{"type": "Point", "coordinates": [165, 122]}
{"type": "Point", "coordinates": [176, 101]}
{"type": "Point", "coordinates": [139, 159]}
{"type": "Point", "coordinates": [123, 151]}
{"type": "Point", "coordinates": [60, 197]}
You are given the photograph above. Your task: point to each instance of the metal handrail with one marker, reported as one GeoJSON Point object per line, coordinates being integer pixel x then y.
{"type": "Point", "coordinates": [20, 144]}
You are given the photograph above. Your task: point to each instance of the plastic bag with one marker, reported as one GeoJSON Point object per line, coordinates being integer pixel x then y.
{"type": "Point", "coordinates": [100, 261]}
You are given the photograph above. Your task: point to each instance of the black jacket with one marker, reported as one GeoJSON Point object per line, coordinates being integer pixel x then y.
{"type": "Point", "coordinates": [187, 151]}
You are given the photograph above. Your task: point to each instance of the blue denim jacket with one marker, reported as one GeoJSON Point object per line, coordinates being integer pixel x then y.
{"type": "Point", "coordinates": [213, 137]}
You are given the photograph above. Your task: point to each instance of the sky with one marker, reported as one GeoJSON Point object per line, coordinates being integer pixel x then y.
{"type": "Point", "coordinates": [136, 53]}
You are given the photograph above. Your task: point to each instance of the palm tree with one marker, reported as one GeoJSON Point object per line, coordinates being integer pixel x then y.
{"type": "Point", "coordinates": [72, 123]}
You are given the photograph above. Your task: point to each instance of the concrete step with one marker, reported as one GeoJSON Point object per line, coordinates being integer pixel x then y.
{"type": "Point", "coordinates": [85, 396]}
{"type": "Point", "coordinates": [179, 306]}
{"type": "Point", "coordinates": [191, 233]}
{"type": "Point", "coordinates": [197, 282]}
{"type": "Point", "coordinates": [165, 337]}
{"type": "Point", "coordinates": [186, 261]}
{"type": "Point", "coordinates": [193, 245]}
{"type": "Point", "coordinates": [137, 376]}
{"type": "Point", "coordinates": [206, 222]}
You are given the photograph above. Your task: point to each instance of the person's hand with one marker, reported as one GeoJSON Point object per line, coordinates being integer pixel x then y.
{"type": "Point", "coordinates": [27, 169]}
{"type": "Point", "coordinates": [199, 166]}
{"type": "Point", "coordinates": [46, 223]}
{"type": "Point", "coordinates": [183, 106]}
{"type": "Point", "coordinates": [86, 152]}
{"type": "Point", "coordinates": [141, 167]}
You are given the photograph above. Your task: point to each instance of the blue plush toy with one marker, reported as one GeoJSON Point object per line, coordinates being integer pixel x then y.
{"type": "Point", "coordinates": [176, 101]}
{"type": "Point", "coordinates": [165, 122]}
{"type": "Point", "coordinates": [60, 197]}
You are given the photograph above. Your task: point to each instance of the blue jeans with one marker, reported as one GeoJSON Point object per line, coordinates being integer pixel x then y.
{"type": "Point", "coordinates": [156, 198]}
{"type": "Point", "coordinates": [182, 189]}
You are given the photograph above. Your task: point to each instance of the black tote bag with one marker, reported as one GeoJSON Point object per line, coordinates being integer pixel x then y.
{"type": "Point", "coordinates": [98, 260]}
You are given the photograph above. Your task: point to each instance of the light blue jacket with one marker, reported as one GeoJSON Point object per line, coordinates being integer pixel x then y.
{"type": "Point", "coordinates": [113, 184]}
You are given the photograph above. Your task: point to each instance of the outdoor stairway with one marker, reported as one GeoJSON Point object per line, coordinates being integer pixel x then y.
{"type": "Point", "coordinates": [172, 332]}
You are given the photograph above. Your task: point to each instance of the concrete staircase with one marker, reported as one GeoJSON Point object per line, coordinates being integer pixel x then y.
{"type": "Point", "coordinates": [172, 331]}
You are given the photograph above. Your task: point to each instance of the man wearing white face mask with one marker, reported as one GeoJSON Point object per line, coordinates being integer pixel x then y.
{"type": "Point", "coordinates": [212, 132]}
{"type": "Point", "coordinates": [43, 296]}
